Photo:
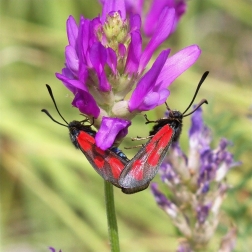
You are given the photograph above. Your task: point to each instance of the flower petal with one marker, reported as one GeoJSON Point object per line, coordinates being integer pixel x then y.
{"type": "Point", "coordinates": [163, 30]}
{"type": "Point", "coordinates": [135, 23]}
{"type": "Point", "coordinates": [134, 54]}
{"type": "Point", "coordinates": [150, 101]}
{"type": "Point", "coordinates": [161, 200]}
{"type": "Point", "coordinates": [112, 59]}
{"type": "Point", "coordinates": [121, 50]}
{"type": "Point", "coordinates": [83, 39]}
{"type": "Point", "coordinates": [196, 123]}
{"type": "Point", "coordinates": [72, 60]}
{"type": "Point", "coordinates": [110, 129]}
{"type": "Point", "coordinates": [163, 95]}
{"type": "Point", "coordinates": [177, 64]}
{"type": "Point", "coordinates": [98, 58]}
{"type": "Point", "coordinates": [111, 6]}
{"type": "Point", "coordinates": [71, 84]}
{"type": "Point", "coordinates": [86, 104]}
{"type": "Point", "coordinates": [134, 6]}
{"type": "Point", "coordinates": [147, 83]}
{"type": "Point", "coordinates": [104, 84]}
{"type": "Point", "coordinates": [153, 15]}
{"type": "Point", "coordinates": [72, 31]}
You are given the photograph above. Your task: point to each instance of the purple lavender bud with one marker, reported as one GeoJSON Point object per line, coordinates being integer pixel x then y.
{"type": "Point", "coordinates": [202, 213]}
{"type": "Point", "coordinates": [161, 200]}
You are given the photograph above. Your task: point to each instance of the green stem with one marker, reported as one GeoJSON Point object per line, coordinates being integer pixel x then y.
{"type": "Point", "coordinates": [111, 217]}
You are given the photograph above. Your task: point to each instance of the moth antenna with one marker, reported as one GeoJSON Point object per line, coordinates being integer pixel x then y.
{"type": "Point", "coordinates": [54, 102]}
{"type": "Point", "coordinates": [199, 105]}
{"type": "Point", "coordinates": [168, 108]}
{"type": "Point", "coordinates": [45, 111]}
{"type": "Point", "coordinates": [197, 90]}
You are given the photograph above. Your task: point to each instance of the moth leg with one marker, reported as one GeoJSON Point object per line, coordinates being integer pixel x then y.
{"type": "Point", "coordinates": [87, 120]}
{"type": "Point", "coordinates": [133, 147]}
{"type": "Point", "coordinates": [140, 138]}
{"type": "Point", "coordinates": [147, 120]}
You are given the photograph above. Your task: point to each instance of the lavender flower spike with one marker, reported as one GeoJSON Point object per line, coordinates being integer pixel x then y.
{"type": "Point", "coordinates": [198, 185]}
{"type": "Point", "coordinates": [104, 61]}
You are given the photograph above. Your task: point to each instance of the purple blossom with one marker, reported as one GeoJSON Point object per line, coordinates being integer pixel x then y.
{"type": "Point", "coordinates": [105, 61]}
{"type": "Point", "coordinates": [197, 183]}
{"type": "Point", "coordinates": [202, 213]}
{"type": "Point", "coordinates": [110, 128]}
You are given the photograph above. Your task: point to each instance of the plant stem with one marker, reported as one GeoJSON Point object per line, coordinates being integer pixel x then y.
{"type": "Point", "coordinates": [111, 217]}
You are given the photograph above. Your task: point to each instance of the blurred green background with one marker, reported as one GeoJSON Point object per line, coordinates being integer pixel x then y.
{"type": "Point", "coordinates": [50, 195]}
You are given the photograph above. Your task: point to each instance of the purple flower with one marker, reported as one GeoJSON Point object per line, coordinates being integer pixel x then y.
{"type": "Point", "coordinates": [197, 184]}
{"type": "Point", "coordinates": [105, 61]}
{"type": "Point", "coordinates": [110, 128]}
{"type": "Point", "coordinates": [202, 213]}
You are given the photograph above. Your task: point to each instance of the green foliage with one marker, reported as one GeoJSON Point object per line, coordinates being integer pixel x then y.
{"type": "Point", "coordinates": [50, 196]}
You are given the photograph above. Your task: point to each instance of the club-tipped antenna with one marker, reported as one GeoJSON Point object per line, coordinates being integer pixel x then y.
{"type": "Point", "coordinates": [54, 102]}
{"type": "Point", "coordinates": [196, 92]}
{"type": "Point", "coordinates": [45, 111]}
{"type": "Point", "coordinates": [199, 105]}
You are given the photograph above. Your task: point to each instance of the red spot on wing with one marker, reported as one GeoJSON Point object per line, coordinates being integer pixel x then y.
{"type": "Point", "coordinates": [150, 146]}
{"type": "Point", "coordinates": [99, 151]}
{"type": "Point", "coordinates": [153, 158]}
{"type": "Point", "coordinates": [137, 170]}
{"type": "Point", "coordinates": [116, 166]}
{"type": "Point", "coordinates": [166, 138]}
{"type": "Point", "coordinates": [99, 162]}
{"type": "Point", "coordinates": [157, 144]}
{"type": "Point", "coordinates": [85, 141]}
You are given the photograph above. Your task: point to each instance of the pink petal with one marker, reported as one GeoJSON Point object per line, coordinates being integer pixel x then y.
{"type": "Point", "coordinates": [111, 6]}
{"type": "Point", "coordinates": [72, 31]}
{"type": "Point", "coordinates": [177, 64]}
{"type": "Point", "coordinates": [109, 130]}
{"type": "Point", "coordinates": [163, 30]}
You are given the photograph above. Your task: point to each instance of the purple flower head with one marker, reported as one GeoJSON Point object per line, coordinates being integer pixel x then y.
{"type": "Point", "coordinates": [196, 182]}
{"type": "Point", "coordinates": [104, 61]}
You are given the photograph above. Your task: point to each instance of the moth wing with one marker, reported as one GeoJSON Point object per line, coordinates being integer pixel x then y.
{"type": "Point", "coordinates": [143, 167]}
{"type": "Point", "coordinates": [108, 164]}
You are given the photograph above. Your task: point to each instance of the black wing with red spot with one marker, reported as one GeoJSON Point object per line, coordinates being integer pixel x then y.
{"type": "Point", "coordinates": [107, 163]}
{"type": "Point", "coordinates": [143, 167]}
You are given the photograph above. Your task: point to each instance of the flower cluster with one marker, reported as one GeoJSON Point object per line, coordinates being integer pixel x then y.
{"type": "Point", "coordinates": [105, 61]}
{"type": "Point", "coordinates": [197, 185]}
